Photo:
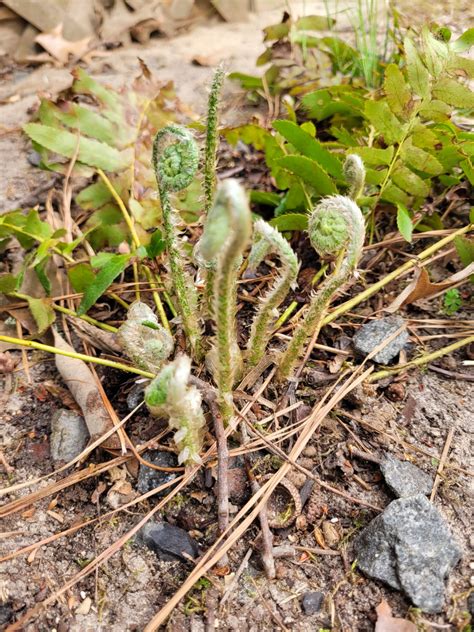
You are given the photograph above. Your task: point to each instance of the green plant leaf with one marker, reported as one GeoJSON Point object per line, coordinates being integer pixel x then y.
{"type": "Point", "coordinates": [8, 283]}
{"type": "Point", "coordinates": [156, 246]}
{"type": "Point", "coordinates": [465, 249]}
{"type": "Point", "coordinates": [276, 31]}
{"type": "Point", "coordinates": [265, 198]}
{"type": "Point", "coordinates": [309, 146]}
{"type": "Point", "coordinates": [373, 156]}
{"type": "Point", "coordinates": [468, 169]}
{"type": "Point", "coordinates": [310, 171]}
{"type": "Point", "coordinates": [94, 196]}
{"type": "Point", "coordinates": [290, 222]}
{"type": "Point", "coordinates": [397, 90]}
{"type": "Point", "coordinates": [42, 312]}
{"type": "Point", "coordinates": [81, 276]}
{"type": "Point", "coordinates": [109, 272]}
{"type": "Point", "coordinates": [455, 93]}
{"type": "Point", "coordinates": [418, 75]}
{"type": "Point", "coordinates": [404, 223]}
{"type": "Point", "coordinates": [464, 42]}
{"type": "Point", "coordinates": [384, 121]}
{"type": "Point", "coordinates": [248, 82]}
{"type": "Point", "coordinates": [421, 160]}
{"type": "Point", "coordinates": [410, 182]}
{"type": "Point", "coordinates": [91, 152]}
{"type": "Point", "coordinates": [314, 23]}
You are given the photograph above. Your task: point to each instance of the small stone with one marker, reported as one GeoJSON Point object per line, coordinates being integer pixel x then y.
{"type": "Point", "coordinates": [69, 435]}
{"type": "Point", "coordinates": [410, 547]}
{"type": "Point", "coordinates": [170, 543]}
{"type": "Point", "coordinates": [85, 606]}
{"type": "Point", "coordinates": [404, 478]}
{"type": "Point", "coordinates": [312, 602]}
{"type": "Point", "coordinates": [6, 613]}
{"type": "Point", "coordinates": [149, 479]}
{"type": "Point", "coordinates": [375, 333]}
{"type": "Point", "coordinates": [136, 395]}
{"type": "Point", "coordinates": [310, 451]}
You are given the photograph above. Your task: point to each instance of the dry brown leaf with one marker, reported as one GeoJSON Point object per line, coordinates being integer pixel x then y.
{"type": "Point", "coordinates": [387, 623]}
{"type": "Point", "coordinates": [421, 287]}
{"type": "Point", "coordinates": [80, 381]}
{"type": "Point", "coordinates": [98, 338]}
{"type": "Point", "coordinates": [60, 48]}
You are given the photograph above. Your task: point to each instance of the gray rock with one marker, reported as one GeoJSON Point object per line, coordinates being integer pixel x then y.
{"type": "Point", "coordinates": [69, 435]}
{"type": "Point", "coordinates": [312, 602]}
{"type": "Point", "coordinates": [168, 542]}
{"type": "Point", "coordinates": [149, 479]}
{"type": "Point", "coordinates": [410, 547]}
{"type": "Point", "coordinates": [404, 478]}
{"type": "Point", "coordinates": [470, 605]}
{"type": "Point", "coordinates": [375, 332]}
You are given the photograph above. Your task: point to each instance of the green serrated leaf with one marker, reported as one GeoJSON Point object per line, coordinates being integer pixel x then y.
{"type": "Point", "coordinates": [395, 195]}
{"type": "Point", "coordinates": [374, 157]}
{"type": "Point", "coordinates": [468, 169]}
{"type": "Point", "coordinates": [109, 272]}
{"type": "Point", "coordinates": [265, 198]}
{"type": "Point", "coordinates": [309, 146]}
{"type": "Point", "coordinates": [397, 90]}
{"type": "Point", "coordinates": [290, 222]}
{"type": "Point", "coordinates": [42, 312]}
{"type": "Point", "coordinates": [384, 121]}
{"type": "Point", "coordinates": [404, 223]}
{"type": "Point", "coordinates": [408, 181]}
{"type": "Point", "coordinates": [421, 160]}
{"type": "Point", "coordinates": [43, 278]}
{"type": "Point", "coordinates": [310, 171]}
{"type": "Point", "coordinates": [454, 93]}
{"type": "Point", "coordinates": [91, 152]}
{"type": "Point", "coordinates": [418, 75]}
{"type": "Point", "coordinates": [94, 196]}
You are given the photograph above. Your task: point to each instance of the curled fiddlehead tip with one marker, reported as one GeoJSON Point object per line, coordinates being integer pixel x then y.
{"type": "Point", "coordinates": [143, 339]}
{"type": "Point", "coordinates": [354, 172]}
{"type": "Point", "coordinates": [170, 394]}
{"type": "Point", "coordinates": [334, 222]}
{"type": "Point", "coordinates": [175, 158]}
{"type": "Point", "coordinates": [229, 213]}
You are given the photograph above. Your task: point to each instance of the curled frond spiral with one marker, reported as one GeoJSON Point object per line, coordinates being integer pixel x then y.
{"type": "Point", "coordinates": [175, 158]}
{"type": "Point", "coordinates": [175, 161]}
{"type": "Point", "coordinates": [354, 172]}
{"type": "Point", "coordinates": [226, 234]}
{"type": "Point", "coordinates": [170, 394]}
{"type": "Point", "coordinates": [268, 240]}
{"type": "Point", "coordinates": [336, 225]}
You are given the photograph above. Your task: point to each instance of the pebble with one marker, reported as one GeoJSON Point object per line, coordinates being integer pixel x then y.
{"type": "Point", "coordinates": [404, 478]}
{"type": "Point", "coordinates": [69, 435]}
{"type": "Point", "coordinates": [170, 543]}
{"type": "Point", "coordinates": [85, 606]}
{"type": "Point", "coordinates": [310, 451]}
{"type": "Point", "coordinates": [410, 547]}
{"type": "Point", "coordinates": [312, 602]}
{"type": "Point", "coordinates": [149, 479]}
{"type": "Point", "coordinates": [375, 332]}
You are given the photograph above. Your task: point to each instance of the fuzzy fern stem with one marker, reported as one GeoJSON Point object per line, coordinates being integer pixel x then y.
{"type": "Point", "coordinates": [268, 240]}
{"type": "Point", "coordinates": [212, 138]}
{"type": "Point", "coordinates": [354, 172]}
{"type": "Point", "coordinates": [336, 224]}
{"type": "Point", "coordinates": [175, 161]}
{"type": "Point", "coordinates": [169, 394]}
{"type": "Point", "coordinates": [226, 234]}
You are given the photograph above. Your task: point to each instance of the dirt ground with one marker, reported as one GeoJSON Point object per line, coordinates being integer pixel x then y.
{"type": "Point", "coordinates": [128, 590]}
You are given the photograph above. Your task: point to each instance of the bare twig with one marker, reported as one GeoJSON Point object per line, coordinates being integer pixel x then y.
{"type": "Point", "coordinates": [442, 461]}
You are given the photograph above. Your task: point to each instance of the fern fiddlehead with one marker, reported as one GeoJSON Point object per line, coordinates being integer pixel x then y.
{"type": "Point", "coordinates": [212, 138]}
{"type": "Point", "coordinates": [170, 394]}
{"type": "Point", "coordinates": [268, 240]}
{"type": "Point", "coordinates": [354, 172]}
{"type": "Point", "coordinates": [336, 225]}
{"type": "Point", "coordinates": [175, 160]}
{"type": "Point", "coordinates": [226, 234]}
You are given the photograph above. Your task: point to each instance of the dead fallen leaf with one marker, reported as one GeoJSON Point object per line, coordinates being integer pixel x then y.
{"type": "Point", "coordinates": [421, 287]}
{"type": "Point", "coordinates": [60, 48]}
{"type": "Point", "coordinates": [387, 623]}
{"type": "Point", "coordinates": [80, 381]}
{"type": "Point", "coordinates": [98, 338]}
{"type": "Point", "coordinates": [7, 362]}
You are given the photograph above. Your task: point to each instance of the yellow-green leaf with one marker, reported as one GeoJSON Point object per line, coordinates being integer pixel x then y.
{"type": "Point", "coordinates": [418, 75]}
{"type": "Point", "coordinates": [404, 223]}
{"type": "Point", "coordinates": [397, 90]}
{"type": "Point", "coordinates": [455, 93]}
{"type": "Point", "coordinates": [42, 312]}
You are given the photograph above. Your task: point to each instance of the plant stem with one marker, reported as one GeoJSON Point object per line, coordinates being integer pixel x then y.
{"type": "Point", "coordinates": [212, 138]}
{"type": "Point", "coordinates": [424, 359]}
{"type": "Point", "coordinates": [32, 344]}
